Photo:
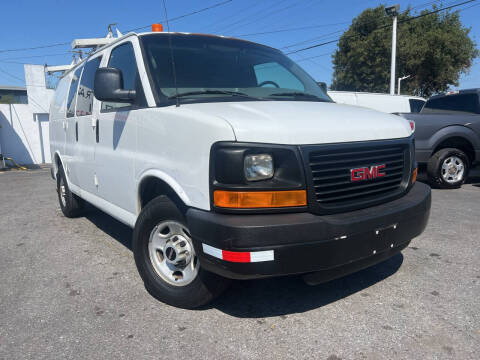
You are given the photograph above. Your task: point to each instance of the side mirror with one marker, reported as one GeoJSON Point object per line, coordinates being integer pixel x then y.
{"type": "Point", "coordinates": [323, 86]}
{"type": "Point", "coordinates": [108, 86]}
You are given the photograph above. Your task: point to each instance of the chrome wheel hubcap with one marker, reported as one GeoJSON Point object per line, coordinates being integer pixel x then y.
{"type": "Point", "coordinates": [453, 169]}
{"type": "Point", "coordinates": [172, 254]}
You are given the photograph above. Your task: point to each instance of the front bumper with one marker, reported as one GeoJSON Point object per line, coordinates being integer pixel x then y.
{"type": "Point", "coordinates": [302, 242]}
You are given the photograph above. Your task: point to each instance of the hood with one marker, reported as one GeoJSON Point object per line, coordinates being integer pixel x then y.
{"type": "Point", "coordinates": [304, 122]}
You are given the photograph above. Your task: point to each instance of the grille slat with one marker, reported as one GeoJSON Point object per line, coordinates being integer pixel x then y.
{"type": "Point", "coordinates": [368, 160]}
{"type": "Point", "coordinates": [361, 194]}
{"type": "Point", "coordinates": [358, 188]}
{"type": "Point", "coordinates": [329, 168]}
{"type": "Point", "coordinates": [343, 153]}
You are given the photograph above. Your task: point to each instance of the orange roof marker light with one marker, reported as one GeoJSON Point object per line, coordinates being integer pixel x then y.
{"type": "Point", "coordinates": [157, 28]}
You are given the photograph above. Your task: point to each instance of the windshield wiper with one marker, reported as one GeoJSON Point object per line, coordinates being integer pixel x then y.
{"type": "Point", "coordinates": [299, 94]}
{"type": "Point", "coordinates": [211, 92]}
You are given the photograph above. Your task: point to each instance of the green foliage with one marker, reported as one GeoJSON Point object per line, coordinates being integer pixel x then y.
{"type": "Point", "coordinates": [434, 49]}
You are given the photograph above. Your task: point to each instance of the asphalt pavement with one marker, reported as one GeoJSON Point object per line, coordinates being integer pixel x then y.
{"type": "Point", "coordinates": [69, 289]}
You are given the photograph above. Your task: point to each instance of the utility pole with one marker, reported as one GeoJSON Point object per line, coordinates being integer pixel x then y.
{"type": "Point", "coordinates": [393, 11]}
{"type": "Point", "coordinates": [399, 81]}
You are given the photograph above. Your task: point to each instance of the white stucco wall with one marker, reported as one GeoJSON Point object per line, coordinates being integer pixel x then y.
{"type": "Point", "coordinates": [23, 135]}
{"type": "Point", "coordinates": [24, 127]}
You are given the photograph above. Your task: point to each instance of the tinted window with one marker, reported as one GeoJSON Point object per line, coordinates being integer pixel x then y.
{"type": "Point", "coordinates": [123, 58]}
{"type": "Point", "coordinates": [461, 102]}
{"type": "Point", "coordinates": [213, 67]}
{"type": "Point", "coordinates": [416, 105]}
{"type": "Point", "coordinates": [85, 90]}
{"type": "Point", "coordinates": [72, 92]}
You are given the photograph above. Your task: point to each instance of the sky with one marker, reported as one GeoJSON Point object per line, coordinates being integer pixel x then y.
{"type": "Point", "coordinates": [47, 22]}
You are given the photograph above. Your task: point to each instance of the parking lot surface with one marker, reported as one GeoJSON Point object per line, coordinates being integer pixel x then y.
{"type": "Point", "coordinates": [69, 288]}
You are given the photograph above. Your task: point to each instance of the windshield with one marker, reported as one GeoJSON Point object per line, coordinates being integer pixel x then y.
{"type": "Point", "coordinates": [211, 68]}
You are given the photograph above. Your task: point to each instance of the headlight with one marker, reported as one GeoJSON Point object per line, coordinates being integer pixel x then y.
{"type": "Point", "coordinates": [258, 167]}
{"type": "Point", "coordinates": [249, 176]}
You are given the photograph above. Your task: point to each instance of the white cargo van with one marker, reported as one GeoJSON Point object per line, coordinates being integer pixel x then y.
{"type": "Point", "coordinates": [380, 102]}
{"type": "Point", "coordinates": [230, 162]}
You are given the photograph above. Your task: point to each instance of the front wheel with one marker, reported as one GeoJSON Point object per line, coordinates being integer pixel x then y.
{"type": "Point", "coordinates": [71, 204]}
{"type": "Point", "coordinates": [166, 260]}
{"type": "Point", "coordinates": [448, 168]}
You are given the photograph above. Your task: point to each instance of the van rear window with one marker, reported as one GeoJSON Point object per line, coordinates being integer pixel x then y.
{"type": "Point", "coordinates": [458, 103]}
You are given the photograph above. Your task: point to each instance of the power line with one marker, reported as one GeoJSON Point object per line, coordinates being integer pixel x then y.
{"type": "Point", "coordinates": [269, 14]}
{"type": "Point", "coordinates": [314, 57]}
{"type": "Point", "coordinates": [383, 27]}
{"type": "Point", "coordinates": [293, 29]}
{"type": "Point", "coordinates": [218, 22]}
{"type": "Point", "coordinates": [339, 31]}
{"type": "Point", "coordinates": [249, 16]}
{"type": "Point", "coordinates": [34, 48]}
{"type": "Point", "coordinates": [185, 15]}
{"type": "Point", "coordinates": [310, 40]}
{"type": "Point", "coordinates": [8, 60]}
{"type": "Point", "coordinates": [139, 28]}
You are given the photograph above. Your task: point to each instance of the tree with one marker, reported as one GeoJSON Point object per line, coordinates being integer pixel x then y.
{"type": "Point", "coordinates": [435, 50]}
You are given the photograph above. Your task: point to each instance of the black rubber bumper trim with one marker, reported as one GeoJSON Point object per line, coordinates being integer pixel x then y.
{"type": "Point", "coordinates": [304, 242]}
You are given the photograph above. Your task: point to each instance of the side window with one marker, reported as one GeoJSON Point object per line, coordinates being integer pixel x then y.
{"type": "Point", "coordinates": [85, 90]}
{"type": "Point", "coordinates": [123, 58]}
{"type": "Point", "coordinates": [73, 92]}
{"type": "Point", "coordinates": [266, 72]}
{"type": "Point", "coordinates": [416, 105]}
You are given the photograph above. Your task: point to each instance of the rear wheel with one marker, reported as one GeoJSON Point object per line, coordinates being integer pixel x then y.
{"type": "Point", "coordinates": [166, 258]}
{"type": "Point", "coordinates": [448, 168]}
{"type": "Point", "coordinates": [70, 204]}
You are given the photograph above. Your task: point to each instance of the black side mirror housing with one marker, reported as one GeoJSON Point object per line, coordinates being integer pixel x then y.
{"type": "Point", "coordinates": [108, 86]}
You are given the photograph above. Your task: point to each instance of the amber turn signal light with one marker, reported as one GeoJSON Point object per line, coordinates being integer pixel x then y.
{"type": "Point", "coordinates": [259, 199]}
{"type": "Point", "coordinates": [414, 175]}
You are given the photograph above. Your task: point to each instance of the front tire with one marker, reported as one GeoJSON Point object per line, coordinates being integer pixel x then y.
{"type": "Point", "coordinates": [448, 168]}
{"type": "Point", "coordinates": [70, 204]}
{"type": "Point", "coordinates": [166, 259]}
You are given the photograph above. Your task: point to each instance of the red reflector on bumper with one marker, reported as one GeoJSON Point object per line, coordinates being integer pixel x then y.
{"type": "Point", "coordinates": [239, 256]}
{"type": "Point", "coordinates": [234, 256]}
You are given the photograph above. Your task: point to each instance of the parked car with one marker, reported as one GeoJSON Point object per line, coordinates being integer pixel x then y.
{"type": "Point", "coordinates": [381, 102]}
{"type": "Point", "coordinates": [447, 136]}
{"type": "Point", "coordinates": [230, 162]}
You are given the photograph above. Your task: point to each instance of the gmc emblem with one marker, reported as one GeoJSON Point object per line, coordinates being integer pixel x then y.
{"type": "Point", "coordinates": [366, 173]}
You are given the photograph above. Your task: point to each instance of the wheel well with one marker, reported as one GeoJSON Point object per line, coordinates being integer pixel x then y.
{"type": "Point", "coordinates": [152, 187]}
{"type": "Point", "coordinates": [58, 162]}
{"type": "Point", "coordinates": [458, 143]}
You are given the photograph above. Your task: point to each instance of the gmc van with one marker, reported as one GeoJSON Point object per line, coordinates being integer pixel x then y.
{"type": "Point", "coordinates": [230, 162]}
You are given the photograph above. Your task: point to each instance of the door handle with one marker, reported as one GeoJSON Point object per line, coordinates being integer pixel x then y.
{"type": "Point", "coordinates": [97, 135]}
{"type": "Point", "coordinates": [76, 131]}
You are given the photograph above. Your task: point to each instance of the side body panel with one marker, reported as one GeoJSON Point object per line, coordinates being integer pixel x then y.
{"type": "Point", "coordinates": [84, 149]}
{"type": "Point", "coordinates": [432, 129]}
{"type": "Point", "coordinates": [174, 145]}
{"type": "Point", "coordinates": [57, 120]}
{"type": "Point", "coordinates": [70, 160]}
